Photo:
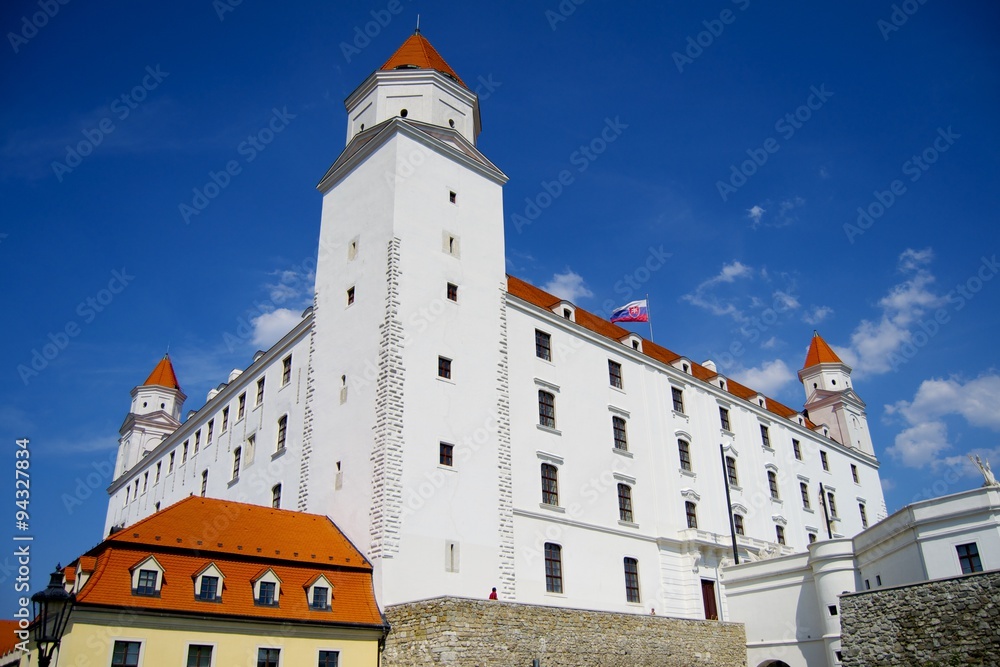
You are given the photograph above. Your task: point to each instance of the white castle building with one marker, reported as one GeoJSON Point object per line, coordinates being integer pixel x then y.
{"type": "Point", "coordinates": [467, 430]}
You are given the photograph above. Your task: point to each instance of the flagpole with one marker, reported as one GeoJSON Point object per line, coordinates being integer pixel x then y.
{"type": "Point", "coordinates": [649, 319]}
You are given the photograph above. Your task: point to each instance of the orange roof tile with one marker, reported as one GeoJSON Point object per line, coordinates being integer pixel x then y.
{"type": "Point", "coordinates": [820, 352]}
{"type": "Point", "coordinates": [242, 541]}
{"type": "Point", "coordinates": [8, 640]}
{"type": "Point", "coordinates": [163, 375]}
{"type": "Point", "coordinates": [538, 297]}
{"type": "Point", "coordinates": [417, 52]}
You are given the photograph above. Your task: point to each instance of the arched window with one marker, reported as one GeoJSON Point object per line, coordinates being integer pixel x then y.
{"type": "Point", "coordinates": [550, 484]}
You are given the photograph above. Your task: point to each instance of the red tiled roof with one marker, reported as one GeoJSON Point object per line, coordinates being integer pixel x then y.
{"type": "Point", "coordinates": [417, 52]}
{"type": "Point", "coordinates": [242, 541]}
{"type": "Point", "coordinates": [8, 640]}
{"type": "Point", "coordinates": [538, 297]}
{"type": "Point", "coordinates": [820, 353]}
{"type": "Point", "coordinates": [163, 375]}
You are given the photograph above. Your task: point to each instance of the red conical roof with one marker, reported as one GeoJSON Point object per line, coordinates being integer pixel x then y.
{"type": "Point", "coordinates": [820, 353]}
{"type": "Point", "coordinates": [417, 52]}
{"type": "Point", "coordinates": [163, 375]}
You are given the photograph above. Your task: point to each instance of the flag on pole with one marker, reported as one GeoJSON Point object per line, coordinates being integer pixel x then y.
{"type": "Point", "coordinates": [636, 311]}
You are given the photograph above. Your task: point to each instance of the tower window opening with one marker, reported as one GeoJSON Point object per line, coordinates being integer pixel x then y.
{"type": "Point", "coordinates": [452, 197]}
{"type": "Point", "coordinates": [403, 113]}
{"type": "Point", "coordinates": [451, 122]}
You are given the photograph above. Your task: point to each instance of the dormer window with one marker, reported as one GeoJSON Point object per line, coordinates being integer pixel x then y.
{"type": "Point", "coordinates": [319, 593]}
{"type": "Point", "coordinates": [267, 589]}
{"type": "Point", "coordinates": [208, 584]}
{"type": "Point", "coordinates": [147, 577]}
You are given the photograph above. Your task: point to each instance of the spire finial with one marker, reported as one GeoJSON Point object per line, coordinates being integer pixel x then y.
{"type": "Point", "coordinates": [417, 30]}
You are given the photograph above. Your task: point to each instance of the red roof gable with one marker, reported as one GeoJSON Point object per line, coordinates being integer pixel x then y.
{"type": "Point", "coordinates": [163, 375]}
{"type": "Point", "coordinates": [417, 52]}
{"type": "Point", "coordinates": [820, 353]}
{"type": "Point", "coordinates": [538, 297]}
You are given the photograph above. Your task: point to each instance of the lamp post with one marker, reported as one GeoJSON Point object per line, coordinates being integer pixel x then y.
{"type": "Point", "coordinates": [52, 608]}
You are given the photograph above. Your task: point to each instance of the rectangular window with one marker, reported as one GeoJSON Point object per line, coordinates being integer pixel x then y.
{"type": "Point", "coordinates": [772, 484]}
{"type": "Point", "coordinates": [241, 406]}
{"type": "Point", "coordinates": [237, 453]}
{"type": "Point", "coordinates": [684, 451]}
{"type": "Point", "coordinates": [632, 580]}
{"type": "Point", "coordinates": [170, 463]}
{"type": "Point", "coordinates": [864, 515]}
{"type": "Point", "coordinates": [797, 449]}
{"type": "Point", "coordinates": [350, 296]}
{"type": "Point", "coordinates": [968, 558]}
{"type": "Point", "coordinates": [268, 657]}
{"type": "Point", "coordinates": [444, 368]}
{"type": "Point", "coordinates": [145, 481]}
{"type": "Point", "coordinates": [615, 374]}
{"type": "Point", "coordinates": [831, 504]}
{"type": "Point", "coordinates": [276, 496]}
{"type": "Point", "coordinates": [543, 345]}
{"type": "Point", "coordinates": [824, 460]}
{"type": "Point", "coordinates": [804, 489]}
{"type": "Point", "coordinates": [738, 524]}
{"type": "Point", "coordinates": [286, 370]}
{"type": "Point", "coordinates": [621, 437]}
{"type": "Point", "coordinates": [260, 391]}
{"type": "Point", "coordinates": [209, 588]}
{"type": "Point", "coordinates": [282, 432]}
{"type": "Point", "coordinates": [321, 597]}
{"type": "Point", "coordinates": [204, 482]}
{"type": "Point", "coordinates": [553, 568]}
{"type": "Point", "coordinates": [184, 452]}
{"type": "Point", "coordinates": [691, 511]}
{"type": "Point", "coordinates": [197, 440]}
{"type": "Point", "coordinates": [854, 474]}
{"type": "Point", "coordinates": [734, 480]}
{"type": "Point", "coordinates": [329, 658]}
{"type": "Point", "coordinates": [199, 656]}
{"type": "Point", "coordinates": [266, 595]}
{"type": "Point", "coordinates": [225, 419]}
{"type": "Point", "coordinates": [724, 418]}
{"type": "Point", "coordinates": [251, 448]}
{"type": "Point", "coordinates": [546, 409]}
{"type": "Point", "coordinates": [678, 397]}
{"type": "Point", "coordinates": [812, 538]}
{"type": "Point", "coordinates": [765, 437]}
{"type": "Point", "coordinates": [550, 484]}
{"type": "Point", "coordinates": [159, 465]}
{"type": "Point", "coordinates": [125, 654]}
{"type": "Point", "coordinates": [446, 454]}
{"type": "Point", "coordinates": [779, 533]}
{"type": "Point", "coordinates": [625, 502]}
{"type": "Point", "coordinates": [147, 582]}
{"type": "Point", "coordinates": [452, 292]}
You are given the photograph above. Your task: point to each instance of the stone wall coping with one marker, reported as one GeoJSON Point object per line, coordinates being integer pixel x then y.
{"type": "Point", "coordinates": [919, 583]}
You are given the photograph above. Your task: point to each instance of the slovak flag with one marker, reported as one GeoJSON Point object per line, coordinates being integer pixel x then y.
{"type": "Point", "coordinates": [636, 311]}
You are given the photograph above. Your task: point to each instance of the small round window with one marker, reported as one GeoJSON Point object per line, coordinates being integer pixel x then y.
{"type": "Point", "coordinates": [403, 113]}
{"type": "Point", "coordinates": [451, 122]}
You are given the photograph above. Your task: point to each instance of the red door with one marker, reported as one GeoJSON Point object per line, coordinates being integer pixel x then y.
{"type": "Point", "coordinates": [708, 596]}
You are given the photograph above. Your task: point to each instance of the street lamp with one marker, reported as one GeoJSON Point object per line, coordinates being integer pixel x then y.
{"type": "Point", "coordinates": [52, 608]}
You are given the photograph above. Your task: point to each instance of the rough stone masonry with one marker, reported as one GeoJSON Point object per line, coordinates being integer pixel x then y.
{"type": "Point", "coordinates": [488, 633]}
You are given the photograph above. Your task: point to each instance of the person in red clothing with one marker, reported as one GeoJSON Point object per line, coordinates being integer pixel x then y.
{"type": "Point", "coordinates": [493, 593]}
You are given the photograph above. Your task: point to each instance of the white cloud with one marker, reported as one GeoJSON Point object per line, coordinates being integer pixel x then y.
{"type": "Point", "coordinates": [755, 214]}
{"type": "Point", "coordinates": [786, 300]}
{"type": "Point", "coordinates": [770, 343]}
{"type": "Point", "coordinates": [268, 328]}
{"type": "Point", "coordinates": [925, 437]}
{"type": "Point", "coordinates": [703, 298]}
{"type": "Point", "coordinates": [567, 285]}
{"type": "Point", "coordinates": [817, 314]}
{"type": "Point", "coordinates": [887, 484]}
{"type": "Point", "coordinates": [768, 378]}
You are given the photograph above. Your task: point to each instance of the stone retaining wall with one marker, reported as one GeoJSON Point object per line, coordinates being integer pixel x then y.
{"type": "Point", "coordinates": [487, 633]}
{"type": "Point", "coordinates": [944, 622]}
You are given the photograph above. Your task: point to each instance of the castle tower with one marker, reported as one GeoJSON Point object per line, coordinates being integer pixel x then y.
{"type": "Point", "coordinates": [155, 414]}
{"type": "Point", "coordinates": [405, 354]}
{"type": "Point", "coordinates": [830, 399]}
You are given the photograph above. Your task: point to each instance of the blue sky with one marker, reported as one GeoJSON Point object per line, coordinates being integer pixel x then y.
{"type": "Point", "coordinates": [759, 171]}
